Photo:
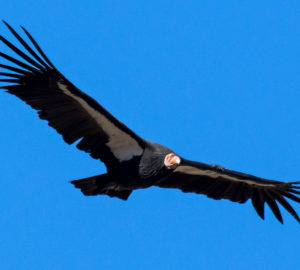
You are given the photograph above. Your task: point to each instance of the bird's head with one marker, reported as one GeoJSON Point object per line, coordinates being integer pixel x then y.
{"type": "Point", "coordinates": [171, 161]}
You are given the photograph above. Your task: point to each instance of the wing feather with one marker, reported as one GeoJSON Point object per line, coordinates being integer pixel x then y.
{"type": "Point", "coordinates": [258, 202]}
{"type": "Point", "coordinates": [74, 115]}
{"type": "Point", "coordinates": [273, 205]}
{"type": "Point", "coordinates": [25, 45]}
{"type": "Point", "coordinates": [219, 183]}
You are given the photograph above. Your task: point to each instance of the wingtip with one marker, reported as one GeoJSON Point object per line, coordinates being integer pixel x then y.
{"type": "Point", "coordinates": [24, 29]}
{"type": "Point", "coordinates": [38, 48]}
{"type": "Point", "coordinates": [261, 215]}
{"type": "Point", "coordinates": [280, 220]}
{"type": "Point", "coordinates": [296, 217]}
{"type": "Point", "coordinates": [7, 24]}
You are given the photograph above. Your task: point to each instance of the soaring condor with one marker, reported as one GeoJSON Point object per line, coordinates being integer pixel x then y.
{"type": "Point", "coordinates": [132, 162]}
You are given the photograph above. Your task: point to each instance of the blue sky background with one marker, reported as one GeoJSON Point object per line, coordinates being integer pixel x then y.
{"type": "Point", "coordinates": [217, 81]}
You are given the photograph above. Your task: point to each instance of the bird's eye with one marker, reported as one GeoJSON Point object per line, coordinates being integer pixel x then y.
{"type": "Point", "coordinates": [171, 161]}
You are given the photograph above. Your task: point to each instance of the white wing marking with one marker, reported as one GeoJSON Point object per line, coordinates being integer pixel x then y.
{"type": "Point", "coordinates": [213, 174]}
{"type": "Point", "coordinates": [122, 145]}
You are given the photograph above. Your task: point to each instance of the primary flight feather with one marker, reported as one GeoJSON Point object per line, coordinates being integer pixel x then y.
{"type": "Point", "coordinates": [132, 162]}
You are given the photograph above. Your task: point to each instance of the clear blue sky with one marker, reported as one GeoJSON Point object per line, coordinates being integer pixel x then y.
{"type": "Point", "coordinates": [217, 81]}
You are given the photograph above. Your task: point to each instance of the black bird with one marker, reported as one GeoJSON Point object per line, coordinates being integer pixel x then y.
{"type": "Point", "coordinates": [132, 162]}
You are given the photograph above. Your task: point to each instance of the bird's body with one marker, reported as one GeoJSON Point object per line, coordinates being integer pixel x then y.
{"type": "Point", "coordinates": [139, 172]}
{"type": "Point", "coordinates": [131, 161]}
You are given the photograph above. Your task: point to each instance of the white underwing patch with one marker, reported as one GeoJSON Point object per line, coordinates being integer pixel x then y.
{"type": "Point", "coordinates": [190, 170]}
{"type": "Point", "coordinates": [121, 144]}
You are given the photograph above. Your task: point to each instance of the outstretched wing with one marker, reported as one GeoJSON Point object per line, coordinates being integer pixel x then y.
{"type": "Point", "coordinates": [72, 113]}
{"type": "Point", "coordinates": [218, 183]}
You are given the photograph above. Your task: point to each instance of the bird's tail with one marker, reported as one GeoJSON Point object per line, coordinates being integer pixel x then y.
{"type": "Point", "coordinates": [101, 184]}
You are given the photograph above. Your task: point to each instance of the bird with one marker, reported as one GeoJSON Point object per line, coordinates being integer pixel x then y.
{"type": "Point", "coordinates": [131, 161]}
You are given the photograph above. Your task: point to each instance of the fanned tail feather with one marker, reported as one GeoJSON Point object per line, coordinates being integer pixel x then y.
{"type": "Point", "coordinates": [101, 184]}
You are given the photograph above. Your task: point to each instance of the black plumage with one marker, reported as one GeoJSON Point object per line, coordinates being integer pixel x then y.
{"type": "Point", "coordinates": [132, 162]}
